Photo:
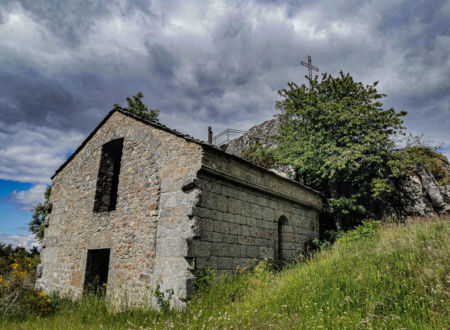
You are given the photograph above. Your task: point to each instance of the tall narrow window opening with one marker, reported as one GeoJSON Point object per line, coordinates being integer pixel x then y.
{"type": "Point", "coordinates": [281, 223]}
{"type": "Point", "coordinates": [97, 267]}
{"type": "Point", "coordinates": [108, 176]}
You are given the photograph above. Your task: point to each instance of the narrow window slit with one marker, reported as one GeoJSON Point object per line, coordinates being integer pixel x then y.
{"type": "Point", "coordinates": [108, 176]}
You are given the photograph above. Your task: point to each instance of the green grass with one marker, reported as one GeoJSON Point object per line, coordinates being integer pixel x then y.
{"type": "Point", "coordinates": [393, 277]}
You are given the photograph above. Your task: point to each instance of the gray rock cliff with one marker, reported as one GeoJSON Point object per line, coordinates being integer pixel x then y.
{"type": "Point", "coordinates": [259, 134]}
{"type": "Point", "coordinates": [418, 194]}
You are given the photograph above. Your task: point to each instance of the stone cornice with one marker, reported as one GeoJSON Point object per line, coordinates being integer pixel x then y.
{"type": "Point", "coordinates": [255, 186]}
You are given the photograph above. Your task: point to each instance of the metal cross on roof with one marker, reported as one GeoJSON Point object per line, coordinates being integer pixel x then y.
{"type": "Point", "coordinates": [310, 68]}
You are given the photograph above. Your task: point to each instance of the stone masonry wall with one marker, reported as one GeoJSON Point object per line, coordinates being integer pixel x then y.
{"type": "Point", "coordinates": [153, 215]}
{"type": "Point", "coordinates": [240, 226]}
{"type": "Point", "coordinates": [239, 211]}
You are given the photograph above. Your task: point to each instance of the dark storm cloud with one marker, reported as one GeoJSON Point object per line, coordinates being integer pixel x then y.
{"type": "Point", "coordinates": [162, 62]}
{"type": "Point", "coordinates": [27, 90]}
{"type": "Point", "coordinates": [63, 64]}
{"type": "Point", "coordinates": [63, 101]}
{"type": "Point", "coordinates": [73, 20]}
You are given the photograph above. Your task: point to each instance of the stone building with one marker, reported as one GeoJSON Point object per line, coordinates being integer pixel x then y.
{"type": "Point", "coordinates": [139, 205]}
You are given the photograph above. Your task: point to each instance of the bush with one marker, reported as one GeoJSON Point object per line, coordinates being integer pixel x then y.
{"type": "Point", "coordinates": [368, 229]}
{"type": "Point", "coordinates": [204, 280]}
{"type": "Point", "coordinates": [434, 161]}
{"type": "Point", "coordinates": [17, 277]}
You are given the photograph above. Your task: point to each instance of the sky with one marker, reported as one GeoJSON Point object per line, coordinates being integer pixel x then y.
{"type": "Point", "coordinates": [63, 64]}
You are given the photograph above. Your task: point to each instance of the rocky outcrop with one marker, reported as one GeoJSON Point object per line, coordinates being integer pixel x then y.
{"type": "Point", "coordinates": [416, 195]}
{"type": "Point", "coordinates": [262, 136]}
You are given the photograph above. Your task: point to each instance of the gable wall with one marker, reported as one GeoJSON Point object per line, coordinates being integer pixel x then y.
{"type": "Point", "coordinates": [151, 209]}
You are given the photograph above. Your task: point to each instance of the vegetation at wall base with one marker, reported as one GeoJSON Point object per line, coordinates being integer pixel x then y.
{"type": "Point", "coordinates": [376, 276]}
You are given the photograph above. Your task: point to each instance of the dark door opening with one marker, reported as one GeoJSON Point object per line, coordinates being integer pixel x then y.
{"type": "Point", "coordinates": [97, 266]}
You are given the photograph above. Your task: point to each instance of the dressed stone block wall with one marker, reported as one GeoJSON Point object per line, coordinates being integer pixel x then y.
{"type": "Point", "coordinates": [239, 213]}
{"type": "Point", "coordinates": [240, 226]}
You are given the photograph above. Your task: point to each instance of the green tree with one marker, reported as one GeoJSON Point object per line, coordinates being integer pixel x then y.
{"type": "Point", "coordinates": [340, 140]}
{"type": "Point", "coordinates": [36, 226]}
{"type": "Point", "coordinates": [136, 106]}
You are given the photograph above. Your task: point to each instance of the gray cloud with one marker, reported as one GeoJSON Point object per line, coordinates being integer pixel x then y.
{"type": "Point", "coordinates": [64, 64]}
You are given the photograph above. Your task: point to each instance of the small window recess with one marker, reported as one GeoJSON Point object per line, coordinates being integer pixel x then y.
{"type": "Point", "coordinates": [108, 176]}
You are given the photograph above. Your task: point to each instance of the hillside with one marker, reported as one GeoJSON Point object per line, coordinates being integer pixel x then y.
{"type": "Point", "coordinates": [394, 276]}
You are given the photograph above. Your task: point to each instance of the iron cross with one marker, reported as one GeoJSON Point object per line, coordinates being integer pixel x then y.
{"type": "Point", "coordinates": [310, 68]}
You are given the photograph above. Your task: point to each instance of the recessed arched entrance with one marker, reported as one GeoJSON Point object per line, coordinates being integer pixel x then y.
{"type": "Point", "coordinates": [282, 221]}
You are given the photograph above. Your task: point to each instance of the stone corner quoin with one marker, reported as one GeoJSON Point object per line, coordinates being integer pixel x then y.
{"type": "Point", "coordinates": [140, 206]}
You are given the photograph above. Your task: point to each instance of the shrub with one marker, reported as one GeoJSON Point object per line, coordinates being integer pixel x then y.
{"type": "Point", "coordinates": [204, 280]}
{"type": "Point", "coordinates": [17, 277]}
{"type": "Point", "coordinates": [369, 228]}
{"type": "Point", "coordinates": [434, 161]}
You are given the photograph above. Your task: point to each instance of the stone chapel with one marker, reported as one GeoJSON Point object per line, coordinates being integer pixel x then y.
{"type": "Point", "coordinates": [139, 205]}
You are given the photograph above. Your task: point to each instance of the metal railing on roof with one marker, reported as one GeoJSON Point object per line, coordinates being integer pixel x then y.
{"type": "Point", "coordinates": [226, 135]}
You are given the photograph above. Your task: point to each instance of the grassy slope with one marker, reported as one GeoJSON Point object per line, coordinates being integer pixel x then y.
{"type": "Point", "coordinates": [398, 278]}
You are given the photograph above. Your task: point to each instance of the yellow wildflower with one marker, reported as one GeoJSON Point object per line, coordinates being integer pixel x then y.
{"type": "Point", "coordinates": [15, 266]}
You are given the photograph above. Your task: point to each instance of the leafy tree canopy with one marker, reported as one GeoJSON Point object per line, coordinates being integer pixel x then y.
{"type": "Point", "coordinates": [36, 226]}
{"type": "Point", "coordinates": [136, 106]}
{"type": "Point", "coordinates": [341, 141]}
